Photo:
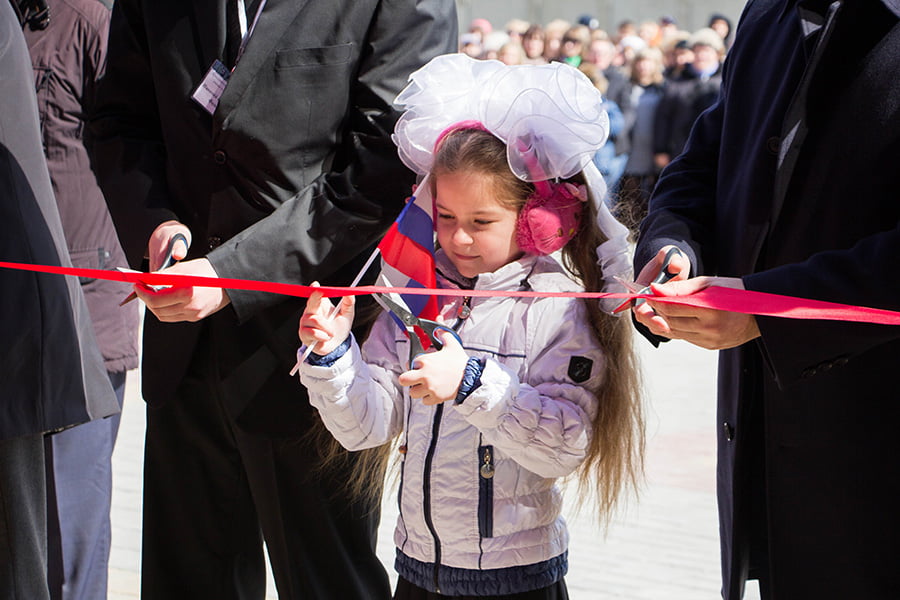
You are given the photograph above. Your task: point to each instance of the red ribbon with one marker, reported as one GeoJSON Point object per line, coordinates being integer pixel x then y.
{"type": "Point", "coordinates": [717, 298]}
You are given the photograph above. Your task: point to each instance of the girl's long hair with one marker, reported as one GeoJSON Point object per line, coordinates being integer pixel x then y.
{"type": "Point", "coordinates": [613, 464]}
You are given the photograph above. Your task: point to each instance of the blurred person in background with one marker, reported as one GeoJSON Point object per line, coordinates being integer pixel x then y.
{"type": "Point", "coordinates": [609, 161]}
{"type": "Point", "coordinates": [677, 55]}
{"type": "Point", "coordinates": [694, 90]}
{"type": "Point", "coordinates": [470, 44]}
{"type": "Point", "coordinates": [722, 25]}
{"type": "Point", "coordinates": [492, 43]}
{"type": "Point", "coordinates": [516, 28]}
{"type": "Point", "coordinates": [480, 27]}
{"type": "Point", "coordinates": [640, 172]}
{"type": "Point", "coordinates": [533, 44]}
{"type": "Point", "coordinates": [650, 33]}
{"type": "Point", "coordinates": [668, 27]}
{"type": "Point", "coordinates": [511, 53]}
{"type": "Point", "coordinates": [553, 35]}
{"type": "Point", "coordinates": [574, 43]}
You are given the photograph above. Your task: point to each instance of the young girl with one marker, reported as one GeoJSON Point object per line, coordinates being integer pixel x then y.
{"type": "Point", "coordinates": [539, 388]}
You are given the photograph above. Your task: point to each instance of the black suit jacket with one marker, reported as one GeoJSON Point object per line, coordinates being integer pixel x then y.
{"type": "Point", "coordinates": [791, 182]}
{"type": "Point", "coordinates": [292, 179]}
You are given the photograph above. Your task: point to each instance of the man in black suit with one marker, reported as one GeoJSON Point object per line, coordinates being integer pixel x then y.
{"type": "Point", "coordinates": [52, 375]}
{"type": "Point", "coordinates": [273, 156]}
{"type": "Point", "coordinates": [789, 185]}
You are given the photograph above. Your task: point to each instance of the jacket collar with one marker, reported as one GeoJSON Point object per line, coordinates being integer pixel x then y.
{"type": "Point", "coordinates": [539, 273]}
{"type": "Point", "coordinates": [821, 6]}
{"type": "Point", "coordinates": [512, 276]}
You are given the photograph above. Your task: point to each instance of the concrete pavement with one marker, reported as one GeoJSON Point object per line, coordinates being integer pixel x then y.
{"type": "Point", "coordinates": [663, 547]}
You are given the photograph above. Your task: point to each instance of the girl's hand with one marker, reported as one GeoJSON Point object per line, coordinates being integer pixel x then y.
{"type": "Point", "coordinates": [436, 376]}
{"type": "Point", "coordinates": [317, 326]}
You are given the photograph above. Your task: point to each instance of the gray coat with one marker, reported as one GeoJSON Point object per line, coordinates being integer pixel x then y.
{"type": "Point", "coordinates": [68, 58]}
{"type": "Point", "coordinates": [52, 374]}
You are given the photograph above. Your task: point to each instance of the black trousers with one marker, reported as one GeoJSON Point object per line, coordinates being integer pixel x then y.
{"type": "Point", "coordinates": [23, 519]}
{"type": "Point", "coordinates": [213, 491]}
{"type": "Point", "coordinates": [407, 591]}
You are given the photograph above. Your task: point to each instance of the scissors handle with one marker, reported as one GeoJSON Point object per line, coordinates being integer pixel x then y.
{"type": "Point", "coordinates": [430, 328]}
{"type": "Point", "coordinates": [169, 260]}
{"type": "Point", "coordinates": [664, 274]}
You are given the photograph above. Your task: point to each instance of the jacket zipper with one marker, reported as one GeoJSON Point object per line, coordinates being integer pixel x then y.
{"type": "Point", "coordinates": [486, 491]}
{"type": "Point", "coordinates": [426, 493]}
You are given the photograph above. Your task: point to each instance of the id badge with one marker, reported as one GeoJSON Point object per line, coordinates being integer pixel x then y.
{"type": "Point", "coordinates": [210, 89]}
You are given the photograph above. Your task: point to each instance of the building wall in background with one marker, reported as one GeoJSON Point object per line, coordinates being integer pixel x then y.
{"type": "Point", "coordinates": [690, 14]}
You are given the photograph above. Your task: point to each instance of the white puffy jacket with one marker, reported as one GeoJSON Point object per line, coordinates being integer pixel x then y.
{"type": "Point", "coordinates": [529, 421]}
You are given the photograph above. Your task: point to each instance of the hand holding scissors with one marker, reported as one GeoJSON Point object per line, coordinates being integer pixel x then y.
{"type": "Point", "coordinates": [434, 377]}
{"type": "Point", "coordinates": [168, 261]}
{"type": "Point", "coordinates": [667, 271]}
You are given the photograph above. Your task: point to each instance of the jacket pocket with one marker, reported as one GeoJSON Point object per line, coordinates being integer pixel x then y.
{"type": "Point", "coordinates": [312, 57]}
{"type": "Point", "coordinates": [96, 258]}
{"type": "Point", "coordinates": [486, 491]}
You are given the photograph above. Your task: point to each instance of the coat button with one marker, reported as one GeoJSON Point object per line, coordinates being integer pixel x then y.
{"type": "Point", "coordinates": [728, 430]}
{"type": "Point", "coordinates": [220, 157]}
{"type": "Point", "coordinates": [214, 242]}
{"type": "Point", "coordinates": [774, 145]}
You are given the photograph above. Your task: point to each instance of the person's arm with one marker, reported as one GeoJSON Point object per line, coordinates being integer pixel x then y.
{"type": "Point", "coordinates": [356, 391]}
{"type": "Point", "coordinates": [796, 348]}
{"type": "Point", "coordinates": [543, 423]}
{"type": "Point", "coordinates": [366, 193]}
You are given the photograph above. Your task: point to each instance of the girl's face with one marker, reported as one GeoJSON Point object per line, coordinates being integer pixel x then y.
{"type": "Point", "coordinates": [476, 231]}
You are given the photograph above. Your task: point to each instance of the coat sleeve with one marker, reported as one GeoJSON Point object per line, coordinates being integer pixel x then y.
{"type": "Point", "coordinates": [544, 422]}
{"type": "Point", "coordinates": [358, 396]}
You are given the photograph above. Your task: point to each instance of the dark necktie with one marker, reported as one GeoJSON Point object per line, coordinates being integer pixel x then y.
{"type": "Point", "coordinates": [232, 33]}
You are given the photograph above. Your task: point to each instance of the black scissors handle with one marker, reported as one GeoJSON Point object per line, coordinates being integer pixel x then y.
{"type": "Point", "coordinates": [664, 274]}
{"type": "Point", "coordinates": [169, 260]}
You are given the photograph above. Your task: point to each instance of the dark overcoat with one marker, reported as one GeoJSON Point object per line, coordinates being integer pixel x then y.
{"type": "Point", "coordinates": [51, 374]}
{"type": "Point", "coordinates": [292, 179]}
{"type": "Point", "coordinates": [791, 181]}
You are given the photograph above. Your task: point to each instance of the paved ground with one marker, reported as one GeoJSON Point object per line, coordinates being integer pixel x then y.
{"type": "Point", "coordinates": [665, 547]}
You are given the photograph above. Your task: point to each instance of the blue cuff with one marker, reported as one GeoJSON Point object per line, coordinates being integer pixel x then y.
{"type": "Point", "coordinates": [471, 379]}
{"type": "Point", "coordinates": [326, 360]}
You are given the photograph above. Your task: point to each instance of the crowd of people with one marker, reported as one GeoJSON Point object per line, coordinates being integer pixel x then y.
{"type": "Point", "coordinates": [279, 141]}
{"type": "Point", "coordinates": [656, 79]}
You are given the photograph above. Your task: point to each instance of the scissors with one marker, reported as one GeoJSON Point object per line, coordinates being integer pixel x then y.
{"type": "Point", "coordinates": [167, 262]}
{"type": "Point", "coordinates": [663, 276]}
{"type": "Point", "coordinates": [410, 322]}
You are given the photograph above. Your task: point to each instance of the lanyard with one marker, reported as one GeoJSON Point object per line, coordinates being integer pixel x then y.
{"type": "Point", "coordinates": [242, 21]}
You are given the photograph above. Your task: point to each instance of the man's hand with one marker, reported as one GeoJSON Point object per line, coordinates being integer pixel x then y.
{"type": "Point", "coordinates": [176, 304]}
{"type": "Point", "coordinates": [704, 327]}
{"type": "Point", "coordinates": [159, 242]}
{"type": "Point", "coordinates": [436, 376]}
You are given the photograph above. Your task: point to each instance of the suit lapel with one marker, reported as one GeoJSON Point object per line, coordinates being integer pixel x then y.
{"type": "Point", "coordinates": [275, 18]}
{"type": "Point", "coordinates": [794, 128]}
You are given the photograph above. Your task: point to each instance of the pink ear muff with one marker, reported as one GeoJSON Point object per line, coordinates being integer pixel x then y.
{"type": "Point", "coordinates": [550, 218]}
